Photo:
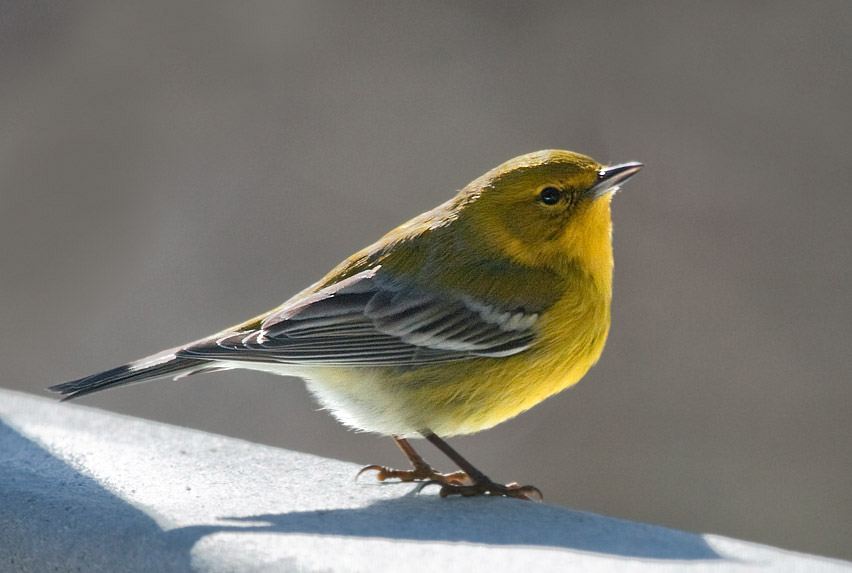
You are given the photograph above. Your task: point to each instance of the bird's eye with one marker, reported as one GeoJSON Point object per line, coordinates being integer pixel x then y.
{"type": "Point", "coordinates": [550, 195]}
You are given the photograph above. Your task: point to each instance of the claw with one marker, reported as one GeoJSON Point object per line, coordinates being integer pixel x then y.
{"type": "Point", "coordinates": [419, 473]}
{"type": "Point", "coordinates": [526, 492]}
{"type": "Point", "coordinates": [425, 484]}
{"type": "Point", "coordinates": [379, 476]}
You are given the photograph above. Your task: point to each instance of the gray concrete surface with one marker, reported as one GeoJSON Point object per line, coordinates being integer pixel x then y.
{"type": "Point", "coordinates": [83, 489]}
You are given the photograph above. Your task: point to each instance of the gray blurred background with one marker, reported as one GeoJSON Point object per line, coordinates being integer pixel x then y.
{"type": "Point", "coordinates": [170, 168]}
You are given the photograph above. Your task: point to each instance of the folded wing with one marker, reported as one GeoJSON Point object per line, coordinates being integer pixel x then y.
{"type": "Point", "coordinates": [371, 319]}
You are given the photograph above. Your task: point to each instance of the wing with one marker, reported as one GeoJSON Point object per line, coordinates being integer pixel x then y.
{"type": "Point", "coordinates": [372, 319]}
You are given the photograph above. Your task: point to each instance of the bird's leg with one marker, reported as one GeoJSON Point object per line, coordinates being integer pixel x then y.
{"type": "Point", "coordinates": [421, 470]}
{"type": "Point", "coordinates": [479, 483]}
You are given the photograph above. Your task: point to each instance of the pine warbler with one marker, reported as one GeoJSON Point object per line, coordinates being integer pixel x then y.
{"type": "Point", "coordinates": [453, 322]}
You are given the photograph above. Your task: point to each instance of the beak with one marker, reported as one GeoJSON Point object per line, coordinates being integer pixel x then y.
{"type": "Point", "coordinates": [611, 178]}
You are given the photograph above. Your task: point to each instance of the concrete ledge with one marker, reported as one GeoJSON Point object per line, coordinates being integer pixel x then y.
{"type": "Point", "coordinates": [83, 489]}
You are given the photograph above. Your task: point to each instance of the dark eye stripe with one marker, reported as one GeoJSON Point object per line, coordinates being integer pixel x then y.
{"type": "Point", "coordinates": [550, 195]}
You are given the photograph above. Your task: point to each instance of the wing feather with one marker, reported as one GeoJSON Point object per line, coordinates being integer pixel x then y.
{"type": "Point", "coordinates": [372, 319]}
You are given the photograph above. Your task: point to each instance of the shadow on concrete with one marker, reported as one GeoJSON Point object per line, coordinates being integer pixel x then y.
{"type": "Point", "coordinates": [482, 521]}
{"type": "Point", "coordinates": [56, 519]}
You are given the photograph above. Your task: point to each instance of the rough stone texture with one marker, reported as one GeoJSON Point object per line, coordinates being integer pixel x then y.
{"type": "Point", "coordinates": [82, 489]}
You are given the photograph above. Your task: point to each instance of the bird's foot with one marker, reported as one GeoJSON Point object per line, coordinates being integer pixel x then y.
{"type": "Point", "coordinates": [420, 472]}
{"type": "Point", "coordinates": [488, 487]}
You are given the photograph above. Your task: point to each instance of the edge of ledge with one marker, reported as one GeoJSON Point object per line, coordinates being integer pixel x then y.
{"type": "Point", "coordinates": [81, 487]}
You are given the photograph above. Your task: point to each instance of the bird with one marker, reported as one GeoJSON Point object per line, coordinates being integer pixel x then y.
{"type": "Point", "coordinates": [455, 321]}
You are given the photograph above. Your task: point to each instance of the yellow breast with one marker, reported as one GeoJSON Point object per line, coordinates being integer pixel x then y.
{"type": "Point", "coordinates": [480, 393]}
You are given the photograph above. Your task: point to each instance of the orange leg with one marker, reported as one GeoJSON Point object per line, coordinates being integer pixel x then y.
{"type": "Point", "coordinates": [468, 483]}
{"type": "Point", "coordinates": [421, 470]}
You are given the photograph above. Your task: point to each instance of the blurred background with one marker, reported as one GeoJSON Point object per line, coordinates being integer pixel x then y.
{"type": "Point", "coordinates": [170, 168]}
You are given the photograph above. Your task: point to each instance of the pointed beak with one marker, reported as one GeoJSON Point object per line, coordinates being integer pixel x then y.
{"type": "Point", "coordinates": [611, 178]}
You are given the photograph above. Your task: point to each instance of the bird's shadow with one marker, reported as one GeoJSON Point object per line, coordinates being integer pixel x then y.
{"type": "Point", "coordinates": [29, 471]}
{"type": "Point", "coordinates": [482, 521]}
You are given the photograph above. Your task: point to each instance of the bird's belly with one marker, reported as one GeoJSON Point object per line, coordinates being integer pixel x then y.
{"type": "Point", "coordinates": [366, 399]}
{"type": "Point", "coordinates": [448, 399]}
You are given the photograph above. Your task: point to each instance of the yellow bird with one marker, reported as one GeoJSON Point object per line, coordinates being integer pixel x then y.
{"type": "Point", "coordinates": [453, 322]}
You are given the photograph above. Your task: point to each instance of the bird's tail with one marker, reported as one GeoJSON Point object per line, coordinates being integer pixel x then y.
{"type": "Point", "coordinates": [163, 364]}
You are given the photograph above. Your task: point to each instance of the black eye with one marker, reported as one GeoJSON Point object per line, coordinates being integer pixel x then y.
{"type": "Point", "coordinates": [550, 195]}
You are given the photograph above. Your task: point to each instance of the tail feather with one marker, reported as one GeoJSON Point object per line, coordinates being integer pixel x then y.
{"type": "Point", "coordinates": [132, 373]}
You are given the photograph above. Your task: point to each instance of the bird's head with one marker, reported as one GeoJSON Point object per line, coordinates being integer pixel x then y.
{"type": "Point", "coordinates": [550, 207]}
